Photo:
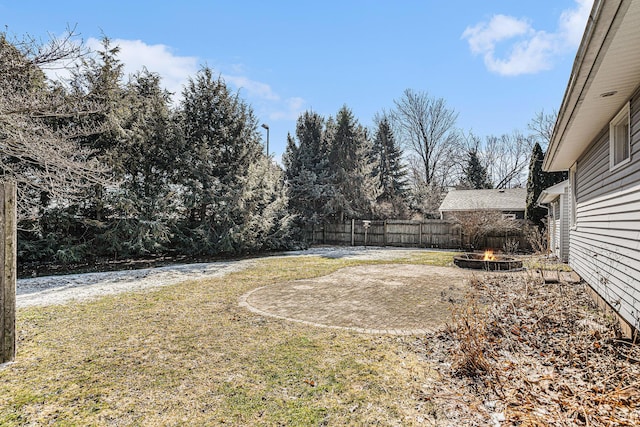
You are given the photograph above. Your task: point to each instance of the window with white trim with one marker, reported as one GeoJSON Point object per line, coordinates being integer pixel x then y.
{"type": "Point", "coordinates": [619, 139]}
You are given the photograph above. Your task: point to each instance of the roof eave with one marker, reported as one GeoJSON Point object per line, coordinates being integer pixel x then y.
{"type": "Point", "coordinates": [610, 38]}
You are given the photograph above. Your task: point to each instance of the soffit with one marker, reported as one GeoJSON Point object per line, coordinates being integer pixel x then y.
{"type": "Point", "coordinates": [611, 63]}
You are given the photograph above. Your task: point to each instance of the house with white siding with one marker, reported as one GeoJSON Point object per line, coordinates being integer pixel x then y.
{"type": "Point", "coordinates": [597, 138]}
{"type": "Point", "coordinates": [556, 198]}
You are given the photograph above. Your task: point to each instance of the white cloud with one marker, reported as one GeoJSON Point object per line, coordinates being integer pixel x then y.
{"type": "Point", "coordinates": [527, 56]}
{"type": "Point", "coordinates": [135, 54]}
{"type": "Point", "coordinates": [529, 50]}
{"type": "Point", "coordinates": [175, 70]}
{"type": "Point", "coordinates": [293, 107]}
{"type": "Point", "coordinates": [573, 22]}
{"type": "Point", "coordinates": [252, 87]}
{"type": "Point", "coordinates": [484, 36]}
{"type": "Point", "coordinates": [266, 99]}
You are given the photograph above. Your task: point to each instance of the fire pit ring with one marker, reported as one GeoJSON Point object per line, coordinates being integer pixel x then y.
{"type": "Point", "coordinates": [478, 261]}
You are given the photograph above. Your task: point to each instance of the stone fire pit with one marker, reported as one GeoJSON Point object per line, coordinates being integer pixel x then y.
{"type": "Point", "coordinates": [492, 262]}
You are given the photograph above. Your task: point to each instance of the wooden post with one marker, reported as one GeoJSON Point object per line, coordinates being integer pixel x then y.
{"type": "Point", "coordinates": [353, 232]}
{"type": "Point", "coordinates": [8, 255]}
{"type": "Point", "coordinates": [384, 233]}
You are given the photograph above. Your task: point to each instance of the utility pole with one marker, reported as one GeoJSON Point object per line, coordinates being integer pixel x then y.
{"type": "Point", "coordinates": [267, 128]}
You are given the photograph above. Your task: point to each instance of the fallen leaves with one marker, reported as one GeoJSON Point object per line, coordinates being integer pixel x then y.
{"type": "Point", "coordinates": [525, 352]}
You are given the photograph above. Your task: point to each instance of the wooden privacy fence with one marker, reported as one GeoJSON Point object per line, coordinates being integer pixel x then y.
{"type": "Point", "coordinates": [433, 233]}
{"type": "Point", "coordinates": [404, 233]}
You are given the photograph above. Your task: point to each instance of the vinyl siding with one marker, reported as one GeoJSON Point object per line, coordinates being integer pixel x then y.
{"type": "Point", "coordinates": [563, 227]}
{"type": "Point", "coordinates": [605, 242]}
{"type": "Point", "coordinates": [555, 227]}
{"type": "Point", "coordinates": [559, 226]}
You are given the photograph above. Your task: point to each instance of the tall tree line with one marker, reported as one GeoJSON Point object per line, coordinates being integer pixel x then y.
{"type": "Point", "coordinates": [108, 167]}
{"type": "Point", "coordinates": [336, 171]}
{"type": "Point", "coordinates": [185, 180]}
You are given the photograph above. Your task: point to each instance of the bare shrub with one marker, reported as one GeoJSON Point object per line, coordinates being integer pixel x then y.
{"type": "Point", "coordinates": [478, 224]}
{"type": "Point", "coordinates": [538, 238]}
{"type": "Point", "coordinates": [511, 246]}
{"type": "Point", "coordinates": [469, 330]}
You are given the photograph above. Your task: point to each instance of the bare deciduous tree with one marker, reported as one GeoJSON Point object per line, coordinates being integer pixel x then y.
{"type": "Point", "coordinates": [507, 159]}
{"type": "Point", "coordinates": [427, 128]}
{"type": "Point", "coordinates": [39, 126]}
{"type": "Point", "coordinates": [542, 126]}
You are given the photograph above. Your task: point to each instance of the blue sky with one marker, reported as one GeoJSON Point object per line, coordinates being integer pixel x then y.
{"type": "Point", "coordinates": [495, 62]}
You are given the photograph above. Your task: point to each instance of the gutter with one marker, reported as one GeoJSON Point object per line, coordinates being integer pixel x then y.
{"type": "Point", "coordinates": [575, 70]}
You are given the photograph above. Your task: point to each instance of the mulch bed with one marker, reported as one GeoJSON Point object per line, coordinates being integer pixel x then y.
{"type": "Point", "coordinates": [525, 352]}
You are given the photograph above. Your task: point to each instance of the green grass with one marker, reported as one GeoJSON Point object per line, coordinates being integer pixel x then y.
{"type": "Point", "coordinates": [543, 263]}
{"type": "Point", "coordinates": [436, 258]}
{"type": "Point", "coordinates": [189, 355]}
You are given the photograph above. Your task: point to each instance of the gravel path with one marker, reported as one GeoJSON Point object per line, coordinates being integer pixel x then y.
{"type": "Point", "coordinates": [51, 290]}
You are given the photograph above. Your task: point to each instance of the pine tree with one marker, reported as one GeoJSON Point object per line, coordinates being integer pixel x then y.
{"type": "Point", "coordinates": [102, 80]}
{"type": "Point", "coordinates": [222, 144]}
{"type": "Point", "coordinates": [147, 157]}
{"type": "Point", "coordinates": [391, 173]}
{"type": "Point", "coordinates": [354, 188]}
{"type": "Point", "coordinates": [266, 222]}
{"type": "Point", "coordinates": [535, 185]}
{"type": "Point", "coordinates": [144, 203]}
{"type": "Point", "coordinates": [89, 228]}
{"type": "Point", "coordinates": [538, 181]}
{"type": "Point", "coordinates": [307, 173]}
{"type": "Point", "coordinates": [475, 173]}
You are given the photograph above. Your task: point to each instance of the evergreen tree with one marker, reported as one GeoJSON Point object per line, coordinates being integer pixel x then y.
{"type": "Point", "coordinates": [537, 182]}
{"type": "Point", "coordinates": [391, 173]}
{"type": "Point", "coordinates": [189, 181]}
{"type": "Point", "coordinates": [307, 174]}
{"type": "Point", "coordinates": [87, 229]}
{"type": "Point", "coordinates": [535, 185]}
{"type": "Point", "coordinates": [354, 188]}
{"type": "Point", "coordinates": [102, 80]}
{"type": "Point", "coordinates": [475, 173]}
{"type": "Point", "coordinates": [290, 158]}
{"type": "Point", "coordinates": [266, 222]}
{"type": "Point", "coordinates": [146, 168]}
{"type": "Point", "coordinates": [147, 164]}
{"type": "Point", "coordinates": [222, 144]}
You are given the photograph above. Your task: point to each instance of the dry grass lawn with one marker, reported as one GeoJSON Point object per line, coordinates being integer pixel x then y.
{"type": "Point", "coordinates": [189, 355]}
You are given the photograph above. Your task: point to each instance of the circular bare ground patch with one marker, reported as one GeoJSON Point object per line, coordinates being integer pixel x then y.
{"type": "Point", "coordinates": [392, 298]}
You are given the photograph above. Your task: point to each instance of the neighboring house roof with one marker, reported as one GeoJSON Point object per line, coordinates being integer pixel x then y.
{"type": "Point", "coordinates": [548, 195]}
{"type": "Point", "coordinates": [605, 73]}
{"type": "Point", "coordinates": [510, 199]}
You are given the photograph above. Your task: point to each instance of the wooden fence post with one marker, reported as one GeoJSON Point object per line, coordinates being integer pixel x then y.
{"type": "Point", "coordinates": [8, 255]}
{"type": "Point", "coordinates": [353, 232]}
{"type": "Point", "coordinates": [384, 233]}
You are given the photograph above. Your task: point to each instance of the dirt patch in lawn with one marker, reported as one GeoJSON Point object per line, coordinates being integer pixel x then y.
{"type": "Point", "coordinates": [390, 298]}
